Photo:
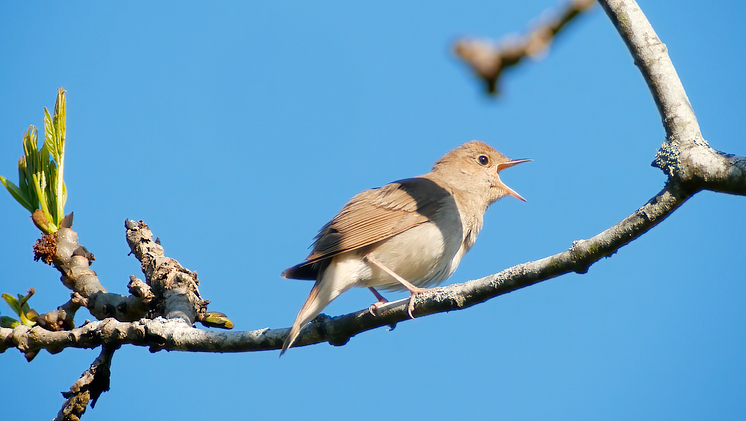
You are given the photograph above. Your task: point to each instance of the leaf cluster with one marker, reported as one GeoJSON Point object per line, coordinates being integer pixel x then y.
{"type": "Point", "coordinates": [19, 306]}
{"type": "Point", "coordinates": [41, 184]}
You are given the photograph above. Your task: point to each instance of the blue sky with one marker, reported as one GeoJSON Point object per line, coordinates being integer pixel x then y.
{"type": "Point", "coordinates": [236, 130]}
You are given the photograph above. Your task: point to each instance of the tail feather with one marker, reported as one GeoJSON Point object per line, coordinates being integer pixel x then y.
{"type": "Point", "coordinates": [321, 295]}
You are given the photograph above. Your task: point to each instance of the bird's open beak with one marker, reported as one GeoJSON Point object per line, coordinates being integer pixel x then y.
{"type": "Point", "coordinates": [501, 166]}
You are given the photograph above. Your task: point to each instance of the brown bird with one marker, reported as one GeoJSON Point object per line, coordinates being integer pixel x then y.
{"type": "Point", "coordinates": [410, 234]}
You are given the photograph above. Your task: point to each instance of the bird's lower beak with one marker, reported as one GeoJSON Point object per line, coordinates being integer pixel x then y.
{"type": "Point", "coordinates": [501, 166]}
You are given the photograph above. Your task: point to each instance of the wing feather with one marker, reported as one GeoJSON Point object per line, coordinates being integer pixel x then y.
{"type": "Point", "coordinates": [371, 216]}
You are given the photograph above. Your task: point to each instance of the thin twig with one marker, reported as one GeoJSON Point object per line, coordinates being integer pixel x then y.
{"type": "Point", "coordinates": [91, 384]}
{"type": "Point", "coordinates": [488, 59]}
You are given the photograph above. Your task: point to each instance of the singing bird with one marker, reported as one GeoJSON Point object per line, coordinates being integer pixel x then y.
{"type": "Point", "coordinates": [409, 234]}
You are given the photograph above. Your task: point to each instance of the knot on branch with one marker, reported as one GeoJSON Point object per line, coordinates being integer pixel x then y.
{"type": "Point", "coordinates": [696, 166]}
{"type": "Point", "coordinates": [583, 254]}
{"type": "Point", "coordinates": [111, 333]}
{"type": "Point", "coordinates": [61, 318]}
{"type": "Point", "coordinates": [141, 290]}
{"type": "Point", "coordinates": [326, 328]}
{"type": "Point", "coordinates": [161, 333]}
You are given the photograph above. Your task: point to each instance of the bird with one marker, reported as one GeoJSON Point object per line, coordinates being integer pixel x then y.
{"type": "Point", "coordinates": [407, 235]}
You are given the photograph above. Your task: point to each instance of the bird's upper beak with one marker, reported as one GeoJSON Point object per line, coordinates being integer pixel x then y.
{"type": "Point", "coordinates": [501, 166]}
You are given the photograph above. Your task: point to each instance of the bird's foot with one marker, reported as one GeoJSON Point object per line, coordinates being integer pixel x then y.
{"type": "Point", "coordinates": [414, 291]}
{"type": "Point", "coordinates": [373, 308]}
{"type": "Point", "coordinates": [381, 300]}
{"type": "Point", "coordinates": [406, 284]}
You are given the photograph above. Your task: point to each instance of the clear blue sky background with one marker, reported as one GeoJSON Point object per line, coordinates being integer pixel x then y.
{"type": "Point", "coordinates": [236, 130]}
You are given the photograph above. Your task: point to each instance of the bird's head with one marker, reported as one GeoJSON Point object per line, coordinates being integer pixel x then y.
{"type": "Point", "coordinates": [473, 169]}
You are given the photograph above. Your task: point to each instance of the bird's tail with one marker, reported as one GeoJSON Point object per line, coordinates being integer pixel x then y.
{"type": "Point", "coordinates": [321, 295]}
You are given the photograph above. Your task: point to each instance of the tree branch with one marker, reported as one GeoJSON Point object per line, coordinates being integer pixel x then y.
{"type": "Point", "coordinates": [161, 334]}
{"type": "Point", "coordinates": [91, 384]}
{"type": "Point", "coordinates": [74, 261]}
{"type": "Point", "coordinates": [685, 155]}
{"type": "Point", "coordinates": [174, 286]}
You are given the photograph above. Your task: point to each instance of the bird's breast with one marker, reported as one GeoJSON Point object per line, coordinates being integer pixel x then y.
{"type": "Point", "coordinates": [423, 255]}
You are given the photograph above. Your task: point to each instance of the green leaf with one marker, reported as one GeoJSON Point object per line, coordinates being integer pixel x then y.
{"type": "Point", "coordinates": [60, 116]}
{"type": "Point", "coordinates": [31, 151]}
{"type": "Point", "coordinates": [217, 319]}
{"type": "Point", "coordinates": [40, 185]}
{"type": "Point", "coordinates": [17, 193]}
{"type": "Point", "coordinates": [41, 182]}
{"type": "Point", "coordinates": [23, 182]}
{"type": "Point", "coordinates": [29, 164]}
{"type": "Point", "coordinates": [48, 131]}
{"type": "Point", "coordinates": [50, 191]}
{"type": "Point", "coordinates": [8, 322]}
{"type": "Point", "coordinates": [57, 148]}
{"type": "Point", "coordinates": [12, 302]}
{"type": "Point", "coordinates": [27, 321]}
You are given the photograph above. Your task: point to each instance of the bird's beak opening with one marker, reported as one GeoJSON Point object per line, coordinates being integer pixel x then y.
{"type": "Point", "coordinates": [501, 166]}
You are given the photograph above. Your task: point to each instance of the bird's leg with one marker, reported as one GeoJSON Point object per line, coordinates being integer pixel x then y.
{"type": "Point", "coordinates": [381, 300]}
{"type": "Point", "coordinates": [412, 289]}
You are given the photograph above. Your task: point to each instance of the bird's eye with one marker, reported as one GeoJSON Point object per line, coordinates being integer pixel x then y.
{"type": "Point", "coordinates": [483, 160]}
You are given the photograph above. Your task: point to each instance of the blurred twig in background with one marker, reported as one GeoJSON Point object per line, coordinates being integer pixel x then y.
{"type": "Point", "coordinates": [489, 58]}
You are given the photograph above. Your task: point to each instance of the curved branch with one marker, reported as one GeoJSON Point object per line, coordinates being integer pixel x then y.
{"type": "Point", "coordinates": [651, 56]}
{"type": "Point", "coordinates": [685, 155]}
{"type": "Point", "coordinates": [176, 335]}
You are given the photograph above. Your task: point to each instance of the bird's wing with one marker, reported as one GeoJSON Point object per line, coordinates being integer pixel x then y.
{"type": "Point", "coordinates": [372, 216]}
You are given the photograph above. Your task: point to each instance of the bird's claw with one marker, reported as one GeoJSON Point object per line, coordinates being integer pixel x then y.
{"type": "Point", "coordinates": [410, 307]}
{"type": "Point", "coordinates": [373, 308]}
